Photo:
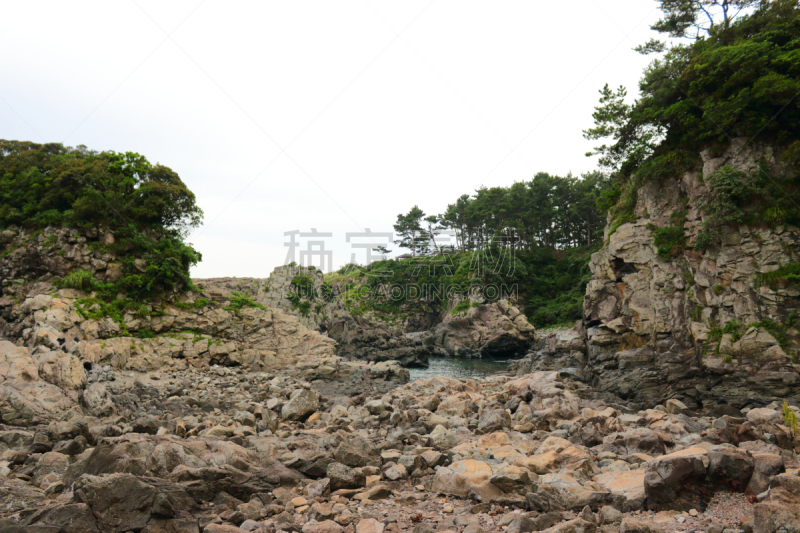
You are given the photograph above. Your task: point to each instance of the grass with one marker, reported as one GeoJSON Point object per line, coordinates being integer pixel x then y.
{"type": "Point", "coordinates": [81, 280]}
{"type": "Point", "coordinates": [238, 301]}
{"type": "Point", "coordinates": [787, 274]}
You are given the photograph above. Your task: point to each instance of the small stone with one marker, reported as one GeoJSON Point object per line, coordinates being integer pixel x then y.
{"type": "Point", "coordinates": [369, 525]}
{"type": "Point", "coordinates": [448, 509]}
{"type": "Point", "coordinates": [693, 512]}
{"type": "Point", "coordinates": [299, 501]}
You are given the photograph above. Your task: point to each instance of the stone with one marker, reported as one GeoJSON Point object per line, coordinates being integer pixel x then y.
{"type": "Point", "coordinates": [512, 479]}
{"type": "Point", "coordinates": [494, 420]}
{"type": "Point", "coordinates": [763, 415]}
{"type": "Point", "coordinates": [673, 480]}
{"type": "Point", "coordinates": [327, 526]}
{"type": "Point", "coordinates": [780, 511]}
{"type": "Point", "coordinates": [765, 467]}
{"type": "Point", "coordinates": [369, 525]}
{"type": "Point", "coordinates": [396, 473]}
{"type": "Point", "coordinates": [302, 403]}
{"type": "Point", "coordinates": [51, 468]}
{"type": "Point", "coordinates": [628, 484]}
{"type": "Point", "coordinates": [123, 502]}
{"type": "Point", "coordinates": [375, 407]}
{"type": "Point", "coordinates": [637, 525]}
{"type": "Point", "coordinates": [442, 438]}
{"type": "Point", "coordinates": [675, 407]}
{"type": "Point", "coordinates": [344, 477]}
{"type": "Point", "coordinates": [730, 468]}
{"type": "Point", "coordinates": [466, 479]}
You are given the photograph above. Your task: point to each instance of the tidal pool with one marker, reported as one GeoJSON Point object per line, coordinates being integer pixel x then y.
{"type": "Point", "coordinates": [460, 368]}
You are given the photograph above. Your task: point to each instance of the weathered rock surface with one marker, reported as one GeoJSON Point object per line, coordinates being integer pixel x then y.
{"type": "Point", "coordinates": [648, 318]}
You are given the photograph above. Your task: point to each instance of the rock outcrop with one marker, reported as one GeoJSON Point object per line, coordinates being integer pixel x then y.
{"type": "Point", "coordinates": [648, 318]}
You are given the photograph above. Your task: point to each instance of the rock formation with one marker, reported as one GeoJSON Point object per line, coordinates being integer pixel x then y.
{"type": "Point", "coordinates": [655, 327]}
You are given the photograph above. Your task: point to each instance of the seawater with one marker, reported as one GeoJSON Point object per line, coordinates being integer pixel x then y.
{"type": "Point", "coordinates": [460, 368]}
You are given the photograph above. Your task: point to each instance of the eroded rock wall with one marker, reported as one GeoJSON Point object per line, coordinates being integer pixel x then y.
{"type": "Point", "coordinates": [648, 318]}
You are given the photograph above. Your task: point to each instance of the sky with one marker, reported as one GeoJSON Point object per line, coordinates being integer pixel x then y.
{"type": "Point", "coordinates": [328, 116]}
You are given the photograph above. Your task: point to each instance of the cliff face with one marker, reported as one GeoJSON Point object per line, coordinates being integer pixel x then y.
{"type": "Point", "coordinates": [655, 327]}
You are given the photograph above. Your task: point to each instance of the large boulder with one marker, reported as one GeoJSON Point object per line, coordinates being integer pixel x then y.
{"type": "Point", "coordinates": [781, 510]}
{"type": "Point", "coordinates": [497, 329]}
{"type": "Point", "coordinates": [559, 492]}
{"type": "Point", "coordinates": [124, 502]}
{"type": "Point", "coordinates": [628, 484]}
{"type": "Point", "coordinates": [466, 479]}
{"type": "Point", "coordinates": [675, 480]}
{"type": "Point", "coordinates": [25, 399]}
{"type": "Point", "coordinates": [344, 477]}
{"type": "Point", "coordinates": [302, 403]}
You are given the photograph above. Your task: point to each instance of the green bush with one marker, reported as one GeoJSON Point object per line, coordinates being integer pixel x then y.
{"type": "Point", "coordinates": [146, 207]}
{"type": "Point", "coordinates": [788, 273]}
{"type": "Point", "coordinates": [239, 300]}
{"type": "Point", "coordinates": [669, 241]}
{"type": "Point", "coordinates": [81, 280]}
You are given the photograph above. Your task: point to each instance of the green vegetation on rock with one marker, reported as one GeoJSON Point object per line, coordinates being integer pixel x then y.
{"type": "Point", "coordinates": [738, 77]}
{"type": "Point", "coordinates": [140, 210]}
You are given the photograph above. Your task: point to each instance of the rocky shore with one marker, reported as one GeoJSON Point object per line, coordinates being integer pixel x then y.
{"type": "Point", "coordinates": [227, 449]}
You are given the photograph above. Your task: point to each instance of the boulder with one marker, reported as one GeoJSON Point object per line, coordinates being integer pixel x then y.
{"type": "Point", "coordinates": [512, 479]}
{"type": "Point", "coordinates": [674, 480]}
{"type": "Point", "coordinates": [493, 420]}
{"type": "Point", "coordinates": [302, 403]}
{"type": "Point", "coordinates": [442, 439]}
{"type": "Point", "coordinates": [123, 502]}
{"type": "Point", "coordinates": [730, 468]}
{"type": "Point", "coordinates": [344, 477]}
{"type": "Point", "coordinates": [559, 492]}
{"type": "Point", "coordinates": [628, 484]}
{"type": "Point", "coordinates": [780, 511]}
{"type": "Point", "coordinates": [466, 479]}
{"type": "Point", "coordinates": [25, 399]}
{"type": "Point", "coordinates": [766, 466]}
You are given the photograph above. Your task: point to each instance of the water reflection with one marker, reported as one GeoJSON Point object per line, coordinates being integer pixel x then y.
{"type": "Point", "coordinates": [459, 368]}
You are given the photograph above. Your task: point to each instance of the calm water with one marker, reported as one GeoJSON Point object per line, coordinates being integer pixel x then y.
{"type": "Point", "coordinates": [459, 368]}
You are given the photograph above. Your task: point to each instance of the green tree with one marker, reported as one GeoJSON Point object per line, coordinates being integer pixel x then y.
{"type": "Point", "coordinates": [409, 228]}
{"type": "Point", "coordinates": [697, 18]}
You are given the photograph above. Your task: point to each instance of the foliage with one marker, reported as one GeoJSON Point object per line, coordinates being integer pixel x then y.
{"type": "Point", "coordinates": [551, 211]}
{"type": "Point", "coordinates": [788, 273]}
{"type": "Point", "coordinates": [463, 306]}
{"type": "Point", "coordinates": [79, 279]}
{"type": "Point", "coordinates": [239, 300]}
{"type": "Point", "coordinates": [146, 208]}
{"type": "Point", "coordinates": [668, 240]}
{"type": "Point", "coordinates": [412, 235]}
{"type": "Point", "coordinates": [303, 286]}
{"type": "Point", "coordinates": [739, 78]}
{"type": "Point", "coordinates": [695, 18]}
{"type": "Point", "coordinates": [550, 284]}
{"type": "Point", "coordinates": [49, 184]}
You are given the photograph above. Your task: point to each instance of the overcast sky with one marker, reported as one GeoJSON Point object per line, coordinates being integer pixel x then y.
{"type": "Point", "coordinates": [337, 116]}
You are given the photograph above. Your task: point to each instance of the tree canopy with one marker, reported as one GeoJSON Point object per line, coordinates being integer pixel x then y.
{"type": "Point", "coordinates": [739, 78]}
{"type": "Point", "coordinates": [551, 211]}
{"type": "Point", "coordinates": [147, 207]}
{"type": "Point", "coordinates": [49, 184]}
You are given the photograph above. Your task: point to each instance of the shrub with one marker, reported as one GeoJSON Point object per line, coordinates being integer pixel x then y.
{"type": "Point", "coordinates": [788, 273]}
{"type": "Point", "coordinates": [790, 419]}
{"type": "Point", "coordinates": [669, 241]}
{"type": "Point", "coordinates": [239, 300]}
{"type": "Point", "coordinates": [79, 279]}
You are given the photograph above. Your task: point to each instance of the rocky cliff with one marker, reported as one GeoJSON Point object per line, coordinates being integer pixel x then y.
{"type": "Point", "coordinates": [689, 324]}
